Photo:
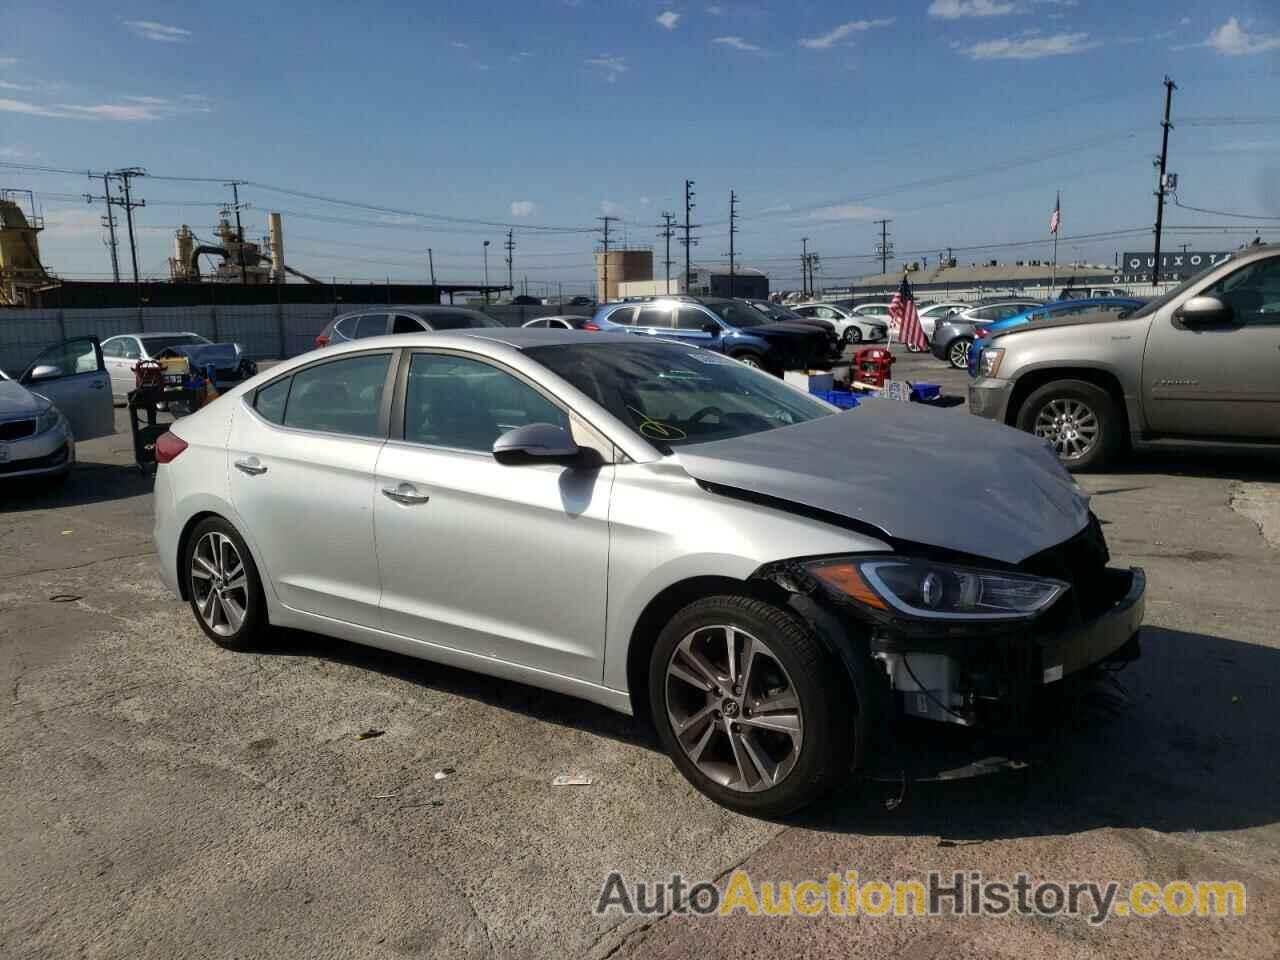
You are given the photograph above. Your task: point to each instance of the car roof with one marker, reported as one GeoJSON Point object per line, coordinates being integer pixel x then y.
{"type": "Point", "coordinates": [423, 308]}
{"type": "Point", "coordinates": [159, 333]}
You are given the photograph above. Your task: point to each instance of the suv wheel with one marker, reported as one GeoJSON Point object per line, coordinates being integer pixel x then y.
{"type": "Point", "coordinates": [1080, 421]}
{"type": "Point", "coordinates": [223, 586]}
{"type": "Point", "coordinates": [750, 706]}
{"type": "Point", "coordinates": [958, 352]}
{"type": "Point", "coordinates": [750, 359]}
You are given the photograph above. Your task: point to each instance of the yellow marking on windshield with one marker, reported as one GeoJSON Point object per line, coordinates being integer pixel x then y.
{"type": "Point", "coordinates": [656, 429]}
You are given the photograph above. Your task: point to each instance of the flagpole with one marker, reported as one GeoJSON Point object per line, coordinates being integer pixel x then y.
{"type": "Point", "coordinates": [1057, 209]}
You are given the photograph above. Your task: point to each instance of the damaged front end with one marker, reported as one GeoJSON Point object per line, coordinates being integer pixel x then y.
{"type": "Point", "coordinates": [947, 638]}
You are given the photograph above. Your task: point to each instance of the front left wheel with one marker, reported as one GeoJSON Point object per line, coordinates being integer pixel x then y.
{"type": "Point", "coordinates": [750, 706]}
{"type": "Point", "coordinates": [223, 586]}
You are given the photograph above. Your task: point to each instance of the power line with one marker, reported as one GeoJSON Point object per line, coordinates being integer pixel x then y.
{"type": "Point", "coordinates": [1219, 213]}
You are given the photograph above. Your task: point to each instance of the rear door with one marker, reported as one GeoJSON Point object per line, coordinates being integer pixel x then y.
{"type": "Point", "coordinates": [74, 376]}
{"type": "Point", "coordinates": [302, 454]}
{"type": "Point", "coordinates": [1221, 380]}
{"type": "Point", "coordinates": [655, 319]}
{"type": "Point", "coordinates": [505, 562]}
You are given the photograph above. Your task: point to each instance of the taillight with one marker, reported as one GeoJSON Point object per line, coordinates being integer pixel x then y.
{"type": "Point", "coordinates": [980, 331]}
{"type": "Point", "coordinates": [591, 326]}
{"type": "Point", "coordinates": [168, 446]}
{"type": "Point", "coordinates": [322, 341]}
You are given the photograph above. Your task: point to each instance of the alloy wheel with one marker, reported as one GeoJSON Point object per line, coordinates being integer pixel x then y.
{"type": "Point", "coordinates": [1070, 426]}
{"type": "Point", "coordinates": [750, 361]}
{"type": "Point", "coordinates": [219, 584]}
{"type": "Point", "coordinates": [733, 708]}
{"type": "Point", "coordinates": [853, 335]}
{"type": "Point", "coordinates": [959, 354]}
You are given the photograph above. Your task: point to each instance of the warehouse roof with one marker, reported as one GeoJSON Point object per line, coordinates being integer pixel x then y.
{"type": "Point", "coordinates": [997, 275]}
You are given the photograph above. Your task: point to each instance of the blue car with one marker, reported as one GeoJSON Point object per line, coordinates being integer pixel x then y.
{"type": "Point", "coordinates": [1050, 311]}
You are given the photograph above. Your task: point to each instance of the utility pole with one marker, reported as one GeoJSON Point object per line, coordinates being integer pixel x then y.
{"type": "Point", "coordinates": [486, 271]}
{"type": "Point", "coordinates": [431, 265]}
{"type": "Point", "coordinates": [689, 241]}
{"type": "Point", "coordinates": [1169, 87]}
{"type": "Point", "coordinates": [733, 228]}
{"type": "Point", "coordinates": [109, 221]}
{"type": "Point", "coordinates": [884, 247]}
{"type": "Point", "coordinates": [235, 194]}
{"type": "Point", "coordinates": [804, 267]}
{"type": "Point", "coordinates": [125, 177]}
{"type": "Point", "coordinates": [604, 246]}
{"type": "Point", "coordinates": [511, 251]}
{"type": "Point", "coordinates": [667, 233]}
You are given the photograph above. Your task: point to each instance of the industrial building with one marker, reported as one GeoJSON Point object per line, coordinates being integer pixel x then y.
{"type": "Point", "coordinates": [714, 281]}
{"type": "Point", "coordinates": [20, 268]}
{"type": "Point", "coordinates": [951, 278]}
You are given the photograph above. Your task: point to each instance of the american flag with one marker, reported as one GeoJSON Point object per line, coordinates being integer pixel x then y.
{"type": "Point", "coordinates": [902, 309]}
{"type": "Point", "coordinates": [1057, 215]}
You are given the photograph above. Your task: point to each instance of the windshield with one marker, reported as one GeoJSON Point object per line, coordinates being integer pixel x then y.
{"type": "Point", "coordinates": [737, 314]}
{"type": "Point", "coordinates": [1154, 305]}
{"type": "Point", "coordinates": [775, 312]}
{"type": "Point", "coordinates": [673, 395]}
{"type": "Point", "coordinates": [154, 345]}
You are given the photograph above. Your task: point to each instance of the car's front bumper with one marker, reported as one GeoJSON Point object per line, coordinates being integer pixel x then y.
{"type": "Point", "coordinates": [46, 454]}
{"type": "Point", "coordinates": [989, 397]}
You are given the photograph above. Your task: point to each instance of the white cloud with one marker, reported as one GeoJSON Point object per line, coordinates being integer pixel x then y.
{"type": "Point", "coordinates": [739, 44]}
{"type": "Point", "coordinates": [955, 9]}
{"type": "Point", "coordinates": [460, 45]}
{"type": "Point", "coordinates": [847, 211]}
{"type": "Point", "coordinates": [716, 10]}
{"type": "Point", "coordinates": [15, 86]}
{"type": "Point", "coordinates": [523, 208]}
{"type": "Point", "coordinates": [111, 111]}
{"type": "Point", "coordinates": [150, 101]}
{"type": "Point", "coordinates": [830, 39]}
{"type": "Point", "coordinates": [668, 19]}
{"type": "Point", "coordinates": [30, 109]}
{"type": "Point", "coordinates": [611, 65]}
{"type": "Point", "coordinates": [163, 32]}
{"type": "Point", "coordinates": [8, 61]}
{"type": "Point", "coordinates": [1030, 48]}
{"type": "Point", "coordinates": [1184, 22]}
{"type": "Point", "coordinates": [1232, 40]}
{"type": "Point", "coordinates": [396, 219]}
{"type": "Point", "coordinates": [644, 201]}
{"type": "Point", "coordinates": [610, 209]}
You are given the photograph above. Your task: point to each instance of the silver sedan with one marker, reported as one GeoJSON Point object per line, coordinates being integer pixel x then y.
{"type": "Point", "coordinates": [650, 526]}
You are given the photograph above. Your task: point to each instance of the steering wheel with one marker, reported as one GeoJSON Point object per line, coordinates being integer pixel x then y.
{"type": "Point", "coordinates": [706, 411]}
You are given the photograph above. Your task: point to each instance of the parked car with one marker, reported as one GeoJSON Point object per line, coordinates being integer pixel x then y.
{"type": "Point", "coordinates": [871, 310]}
{"type": "Point", "coordinates": [930, 315]}
{"type": "Point", "coordinates": [730, 578]}
{"type": "Point", "coordinates": [954, 335]}
{"type": "Point", "coordinates": [1054, 311]}
{"type": "Point", "coordinates": [726, 326]}
{"type": "Point", "coordinates": [1199, 365]}
{"type": "Point", "coordinates": [375, 323]}
{"type": "Point", "coordinates": [563, 322]}
{"type": "Point", "coordinates": [524, 300]}
{"type": "Point", "coordinates": [581, 301]}
{"type": "Point", "coordinates": [781, 314]}
{"type": "Point", "coordinates": [851, 327]}
{"type": "Point", "coordinates": [62, 397]}
{"type": "Point", "coordinates": [124, 351]}
{"type": "Point", "coordinates": [1091, 293]}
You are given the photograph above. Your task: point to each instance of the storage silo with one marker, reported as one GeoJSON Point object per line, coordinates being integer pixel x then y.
{"type": "Point", "coordinates": [621, 265]}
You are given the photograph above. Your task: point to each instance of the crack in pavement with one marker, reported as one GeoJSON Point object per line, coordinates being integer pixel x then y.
{"type": "Point", "coordinates": [77, 566]}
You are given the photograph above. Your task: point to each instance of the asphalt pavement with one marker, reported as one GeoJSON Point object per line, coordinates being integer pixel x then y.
{"type": "Point", "coordinates": [161, 797]}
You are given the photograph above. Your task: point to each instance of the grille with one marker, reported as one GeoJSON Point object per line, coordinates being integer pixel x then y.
{"type": "Point", "coordinates": [17, 430]}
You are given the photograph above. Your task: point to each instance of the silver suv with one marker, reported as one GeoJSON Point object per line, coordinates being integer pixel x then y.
{"type": "Point", "coordinates": [383, 320]}
{"type": "Point", "coordinates": [1198, 365]}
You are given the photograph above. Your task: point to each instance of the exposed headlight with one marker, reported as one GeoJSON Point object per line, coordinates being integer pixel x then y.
{"type": "Point", "coordinates": [48, 420]}
{"type": "Point", "coordinates": [937, 591]}
{"type": "Point", "coordinates": [989, 363]}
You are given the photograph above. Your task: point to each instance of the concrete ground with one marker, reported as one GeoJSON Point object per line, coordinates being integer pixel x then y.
{"type": "Point", "coordinates": [161, 797]}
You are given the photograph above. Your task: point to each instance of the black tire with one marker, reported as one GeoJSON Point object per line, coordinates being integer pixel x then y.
{"type": "Point", "coordinates": [1071, 396]}
{"type": "Point", "coordinates": [852, 334]}
{"type": "Point", "coordinates": [828, 714]}
{"type": "Point", "coordinates": [958, 352]}
{"type": "Point", "coordinates": [252, 629]}
{"type": "Point", "coordinates": [749, 358]}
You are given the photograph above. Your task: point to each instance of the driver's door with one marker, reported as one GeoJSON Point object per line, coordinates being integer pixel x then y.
{"type": "Point", "coordinates": [72, 375]}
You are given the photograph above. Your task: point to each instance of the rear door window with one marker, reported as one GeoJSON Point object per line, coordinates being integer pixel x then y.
{"type": "Point", "coordinates": [625, 316]}
{"type": "Point", "coordinates": [343, 396]}
{"type": "Point", "coordinates": [403, 323]}
{"type": "Point", "coordinates": [371, 325]}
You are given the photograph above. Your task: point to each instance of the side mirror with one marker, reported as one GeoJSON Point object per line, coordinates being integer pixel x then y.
{"type": "Point", "coordinates": [537, 443]}
{"type": "Point", "coordinates": [712, 328]}
{"type": "Point", "coordinates": [1203, 311]}
{"type": "Point", "coordinates": [46, 371]}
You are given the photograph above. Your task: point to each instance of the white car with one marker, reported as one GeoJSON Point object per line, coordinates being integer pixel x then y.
{"type": "Point", "coordinates": [931, 314]}
{"type": "Point", "coordinates": [62, 397]}
{"type": "Point", "coordinates": [123, 352]}
{"type": "Point", "coordinates": [850, 327]}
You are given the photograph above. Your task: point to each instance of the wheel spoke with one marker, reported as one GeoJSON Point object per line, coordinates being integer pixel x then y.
{"type": "Point", "coordinates": [748, 662]}
{"type": "Point", "coordinates": [700, 663]}
{"type": "Point", "coordinates": [694, 720]}
{"type": "Point", "coordinates": [699, 748]}
{"type": "Point", "coordinates": [239, 582]}
{"type": "Point", "coordinates": [202, 568]}
{"type": "Point", "coordinates": [765, 768]}
{"type": "Point", "coordinates": [788, 723]}
{"type": "Point", "coordinates": [742, 761]}
{"type": "Point", "coordinates": [777, 702]}
{"type": "Point", "coordinates": [681, 673]}
{"type": "Point", "coordinates": [232, 612]}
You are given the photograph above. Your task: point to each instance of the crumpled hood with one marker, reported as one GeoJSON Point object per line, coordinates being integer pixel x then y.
{"type": "Point", "coordinates": [221, 355]}
{"type": "Point", "coordinates": [942, 479]}
{"type": "Point", "coordinates": [17, 402]}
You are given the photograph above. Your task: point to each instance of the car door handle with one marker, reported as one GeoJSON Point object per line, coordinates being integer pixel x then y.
{"type": "Point", "coordinates": [98, 385]}
{"type": "Point", "coordinates": [251, 466]}
{"type": "Point", "coordinates": [405, 493]}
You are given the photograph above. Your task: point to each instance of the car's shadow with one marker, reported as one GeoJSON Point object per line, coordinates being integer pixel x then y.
{"type": "Point", "coordinates": [89, 482]}
{"type": "Point", "coordinates": [1228, 465]}
{"type": "Point", "coordinates": [1187, 742]}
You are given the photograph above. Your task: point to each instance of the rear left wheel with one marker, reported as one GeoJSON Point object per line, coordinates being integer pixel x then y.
{"type": "Point", "coordinates": [958, 352]}
{"type": "Point", "coordinates": [852, 334]}
{"type": "Point", "coordinates": [223, 586]}
{"type": "Point", "coordinates": [750, 706]}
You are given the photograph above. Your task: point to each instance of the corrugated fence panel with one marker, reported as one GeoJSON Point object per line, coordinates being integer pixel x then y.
{"type": "Point", "coordinates": [23, 334]}
{"type": "Point", "coordinates": [99, 323]}
{"type": "Point", "coordinates": [255, 327]}
{"type": "Point", "coordinates": [303, 323]}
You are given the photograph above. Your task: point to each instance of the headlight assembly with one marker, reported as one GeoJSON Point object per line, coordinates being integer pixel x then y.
{"type": "Point", "coordinates": [48, 420]}
{"type": "Point", "coordinates": [989, 364]}
{"type": "Point", "coordinates": [937, 591]}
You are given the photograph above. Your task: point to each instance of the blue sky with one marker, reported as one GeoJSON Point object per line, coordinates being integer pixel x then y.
{"type": "Point", "coordinates": [958, 119]}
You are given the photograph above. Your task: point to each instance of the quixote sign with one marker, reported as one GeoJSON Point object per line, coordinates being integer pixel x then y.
{"type": "Point", "coordinates": [1136, 267]}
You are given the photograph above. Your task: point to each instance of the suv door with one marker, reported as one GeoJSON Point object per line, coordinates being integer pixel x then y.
{"type": "Point", "coordinates": [74, 376]}
{"type": "Point", "coordinates": [302, 452]}
{"type": "Point", "coordinates": [506, 563]}
{"type": "Point", "coordinates": [691, 324]}
{"type": "Point", "coordinates": [655, 319]}
{"type": "Point", "coordinates": [1221, 380]}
